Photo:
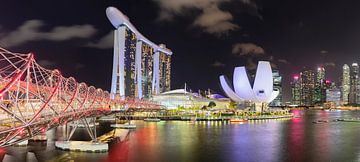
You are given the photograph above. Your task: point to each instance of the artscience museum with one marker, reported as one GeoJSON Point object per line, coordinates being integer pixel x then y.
{"type": "Point", "coordinates": [260, 93]}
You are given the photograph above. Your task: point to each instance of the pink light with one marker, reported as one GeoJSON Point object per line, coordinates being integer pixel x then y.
{"type": "Point", "coordinates": [327, 81]}
{"type": "Point", "coordinates": [296, 77]}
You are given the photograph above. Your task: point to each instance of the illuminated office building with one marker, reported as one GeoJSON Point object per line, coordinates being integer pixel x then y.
{"type": "Point", "coordinates": [333, 94]}
{"type": "Point", "coordinates": [307, 80]}
{"type": "Point", "coordinates": [345, 84]}
{"type": "Point", "coordinates": [146, 73]}
{"type": "Point", "coordinates": [164, 71]}
{"type": "Point", "coordinates": [354, 84]}
{"type": "Point", "coordinates": [129, 63]}
{"type": "Point", "coordinates": [296, 90]}
{"type": "Point", "coordinates": [320, 90]}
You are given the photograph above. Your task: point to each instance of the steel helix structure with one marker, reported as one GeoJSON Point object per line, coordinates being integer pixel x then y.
{"type": "Point", "coordinates": [34, 99]}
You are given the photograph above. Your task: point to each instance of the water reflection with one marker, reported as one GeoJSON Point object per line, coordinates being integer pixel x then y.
{"type": "Point", "coordinates": [297, 139]}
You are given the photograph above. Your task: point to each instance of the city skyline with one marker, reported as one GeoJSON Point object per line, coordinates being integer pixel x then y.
{"type": "Point", "coordinates": [205, 51]}
{"type": "Point", "coordinates": [179, 80]}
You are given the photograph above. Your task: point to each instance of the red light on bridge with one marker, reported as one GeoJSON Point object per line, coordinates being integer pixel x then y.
{"type": "Point", "coordinates": [21, 131]}
{"type": "Point", "coordinates": [296, 77]}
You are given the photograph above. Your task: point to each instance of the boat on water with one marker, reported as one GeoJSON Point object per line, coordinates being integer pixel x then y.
{"type": "Point", "coordinates": [336, 110]}
{"type": "Point", "coordinates": [152, 119]}
{"type": "Point", "coordinates": [193, 119]}
{"type": "Point", "coordinates": [320, 121]}
{"type": "Point", "coordinates": [351, 120]}
{"type": "Point", "coordinates": [238, 120]}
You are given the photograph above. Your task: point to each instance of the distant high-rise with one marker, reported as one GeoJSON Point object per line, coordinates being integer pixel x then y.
{"type": "Point", "coordinates": [345, 84]}
{"type": "Point", "coordinates": [277, 86]}
{"type": "Point", "coordinates": [333, 94]}
{"type": "Point", "coordinates": [307, 80]}
{"type": "Point", "coordinates": [295, 90]}
{"type": "Point", "coordinates": [354, 84]}
{"type": "Point", "coordinates": [320, 75]}
{"type": "Point", "coordinates": [320, 91]}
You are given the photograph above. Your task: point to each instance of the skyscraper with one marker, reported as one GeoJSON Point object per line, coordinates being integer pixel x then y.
{"type": "Point", "coordinates": [320, 75]}
{"type": "Point", "coordinates": [295, 90]}
{"type": "Point", "coordinates": [307, 80]}
{"type": "Point", "coordinates": [345, 84]}
{"type": "Point", "coordinates": [277, 86]}
{"type": "Point", "coordinates": [354, 84]}
{"type": "Point", "coordinates": [147, 70]}
{"type": "Point", "coordinates": [123, 79]}
{"type": "Point", "coordinates": [164, 71]}
{"type": "Point", "coordinates": [320, 91]}
{"type": "Point", "coordinates": [136, 64]}
{"type": "Point", "coordinates": [333, 94]}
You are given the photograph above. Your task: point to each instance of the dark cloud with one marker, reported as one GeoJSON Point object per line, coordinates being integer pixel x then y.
{"type": "Point", "coordinates": [273, 65]}
{"type": "Point", "coordinates": [47, 63]}
{"type": "Point", "coordinates": [250, 64]}
{"type": "Point", "coordinates": [215, 21]}
{"type": "Point", "coordinates": [247, 49]}
{"type": "Point", "coordinates": [324, 52]}
{"type": "Point", "coordinates": [218, 64]}
{"type": "Point", "coordinates": [31, 31]}
{"type": "Point", "coordinates": [283, 61]}
{"type": "Point", "coordinates": [105, 42]}
{"type": "Point", "coordinates": [329, 64]}
{"type": "Point", "coordinates": [79, 66]}
{"type": "Point", "coordinates": [211, 18]}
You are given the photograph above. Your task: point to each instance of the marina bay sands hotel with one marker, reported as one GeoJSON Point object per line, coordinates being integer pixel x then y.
{"type": "Point", "coordinates": [141, 68]}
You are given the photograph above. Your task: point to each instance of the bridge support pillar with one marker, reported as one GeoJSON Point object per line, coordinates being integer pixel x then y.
{"type": "Point", "coordinates": [84, 146]}
{"type": "Point", "coordinates": [126, 125]}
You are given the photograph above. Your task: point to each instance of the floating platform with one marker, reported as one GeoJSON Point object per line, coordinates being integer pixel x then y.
{"type": "Point", "coordinates": [237, 120]}
{"type": "Point", "coordinates": [107, 118]}
{"type": "Point", "coordinates": [152, 119]}
{"type": "Point", "coordinates": [202, 119]}
{"type": "Point", "coordinates": [81, 125]}
{"type": "Point", "coordinates": [270, 117]}
{"type": "Point", "coordinates": [123, 126]}
{"type": "Point", "coordinates": [82, 146]}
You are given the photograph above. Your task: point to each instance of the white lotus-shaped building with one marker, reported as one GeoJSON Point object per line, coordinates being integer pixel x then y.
{"type": "Point", "coordinates": [261, 92]}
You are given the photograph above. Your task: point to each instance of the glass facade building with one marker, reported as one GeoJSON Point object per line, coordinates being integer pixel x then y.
{"type": "Point", "coordinates": [333, 95]}
{"type": "Point", "coordinates": [354, 84]}
{"type": "Point", "coordinates": [307, 81]}
{"type": "Point", "coordinates": [295, 90]}
{"type": "Point", "coordinates": [345, 84]}
{"type": "Point", "coordinates": [129, 63]}
{"type": "Point", "coordinates": [147, 60]}
{"type": "Point", "coordinates": [165, 72]}
{"type": "Point", "coordinates": [320, 90]}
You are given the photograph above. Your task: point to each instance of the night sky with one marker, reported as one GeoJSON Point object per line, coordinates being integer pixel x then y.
{"type": "Point", "coordinates": [208, 37]}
